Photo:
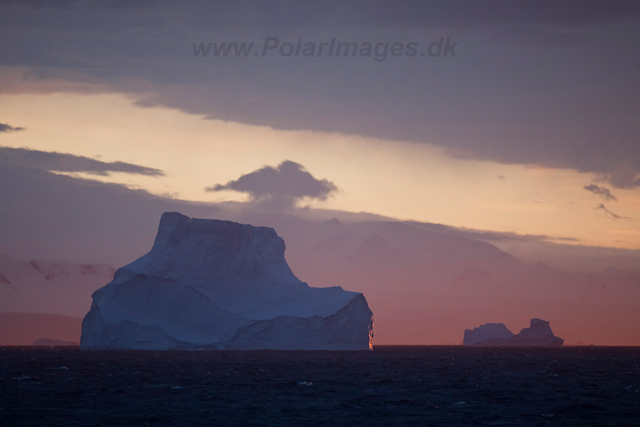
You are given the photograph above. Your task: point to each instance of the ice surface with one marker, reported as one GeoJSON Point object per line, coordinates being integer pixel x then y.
{"type": "Point", "coordinates": [211, 283]}
{"type": "Point", "coordinates": [340, 331]}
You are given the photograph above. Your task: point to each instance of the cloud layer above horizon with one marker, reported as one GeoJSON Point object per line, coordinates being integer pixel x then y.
{"type": "Point", "coordinates": [57, 217]}
{"type": "Point", "coordinates": [64, 162]}
{"type": "Point", "coordinates": [525, 85]}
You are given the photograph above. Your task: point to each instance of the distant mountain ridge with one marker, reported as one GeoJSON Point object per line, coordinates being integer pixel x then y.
{"type": "Point", "coordinates": [425, 284]}
{"type": "Point", "coordinates": [415, 275]}
{"type": "Point", "coordinates": [49, 287]}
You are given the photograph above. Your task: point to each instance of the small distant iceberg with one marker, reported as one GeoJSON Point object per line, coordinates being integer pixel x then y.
{"type": "Point", "coordinates": [538, 334]}
{"type": "Point", "coordinates": [48, 342]}
{"type": "Point", "coordinates": [488, 331]}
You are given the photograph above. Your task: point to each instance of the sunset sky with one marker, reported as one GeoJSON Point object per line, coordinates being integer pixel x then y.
{"type": "Point", "coordinates": [504, 123]}
{"type": "Point", "coordinates": [529, 125]}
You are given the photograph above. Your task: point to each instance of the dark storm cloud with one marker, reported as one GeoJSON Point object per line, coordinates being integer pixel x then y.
{"type": "Point", "coordinates": [416, 13]}
{"type": "Point", "coordinates": [9, 128]}
{"type": "Point", "coordinates": [62, 162]}
{"type": "Point", "coordinates": [526, 85]}
{"type": "Point", "coordinates": [609, 214]}
{"type": "Point", "coordinates": [601, 191]}
{"type": "Point", "coordinates": [281, 186]}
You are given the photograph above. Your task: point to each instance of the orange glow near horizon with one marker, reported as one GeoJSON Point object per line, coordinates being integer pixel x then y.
{"type": "Point", "coordinates": [401, 180]}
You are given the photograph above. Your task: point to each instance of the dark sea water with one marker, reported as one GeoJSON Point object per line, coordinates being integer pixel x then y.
{"type": "Point", "coordinates": [390, 386]}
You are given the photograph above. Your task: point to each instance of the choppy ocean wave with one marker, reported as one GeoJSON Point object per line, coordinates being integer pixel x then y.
{"type": "Point", "coordinates": [390, 386]}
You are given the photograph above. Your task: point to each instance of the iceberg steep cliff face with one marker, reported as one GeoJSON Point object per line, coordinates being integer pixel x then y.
{"type": "Point", "coordinates": [340, 331]}
{"type": "Point", "coordinates": [220, 284]}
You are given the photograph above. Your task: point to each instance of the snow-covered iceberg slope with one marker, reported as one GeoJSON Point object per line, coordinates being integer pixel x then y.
{"type": "Point", "coordinates": [220, 284]}
{"type": "Point", "coordinates": [538, 334]}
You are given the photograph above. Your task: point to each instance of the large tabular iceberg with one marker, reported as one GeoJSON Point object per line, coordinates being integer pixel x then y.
{"type": "Point", "coordinates": [220, 284]}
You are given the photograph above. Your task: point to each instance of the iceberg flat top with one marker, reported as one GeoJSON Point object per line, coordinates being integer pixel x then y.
{"type": "Point", "coordinates": [240, 266]}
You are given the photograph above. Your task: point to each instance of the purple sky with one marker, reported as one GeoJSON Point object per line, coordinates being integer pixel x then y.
{"type": "Point", "coordinates": [550, 86]}
{"type": "Point", "coordinates": [479, 123]}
